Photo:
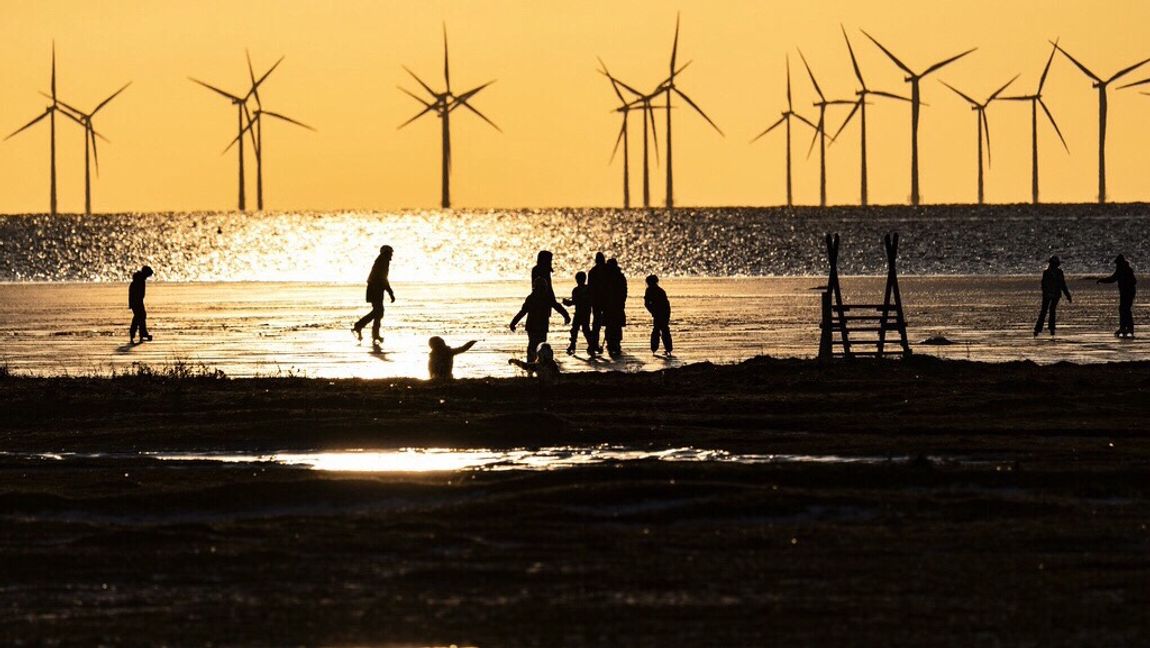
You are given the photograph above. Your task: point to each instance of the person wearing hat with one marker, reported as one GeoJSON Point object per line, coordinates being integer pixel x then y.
{"type": "Point", "coordinates": [1053, 288]}
{"type": "Point", "coordinates": [377, 285]}
{"type": "Point", "coordinates": [136, 302]}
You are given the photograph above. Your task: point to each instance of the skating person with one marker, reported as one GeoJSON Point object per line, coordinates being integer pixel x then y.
{"type": "Point", "coordinates": [377, 285]}
{"type": "Point", "coordinates": [1127, 287]}
{"type": "Point", "coordinates": [537, 309]}
{"type": "Point", "coordinates": [655, 299]}
{"type": "Point", "coordinates": [1053, 288]}
{"type": "Point", "coordinates": [136, 292]}
{"type": "Point", "coordinates": [616, 311]}
{"type": "Point", "coordinates": [581, 301]}
{"type": "Point", "coordinates": [598, 288]}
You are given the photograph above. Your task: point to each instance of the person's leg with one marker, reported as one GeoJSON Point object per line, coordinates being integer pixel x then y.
{"type": "Point", "coordinates": [1125, 314]}
{"type": "Point", "coordinates": [144, 335]}
{"type": "Point", "coordinates": [376, 319]}
{"type": "Point", "coordinates": [655, 337]}
{"type": "Point", "coordinates": [586, 328]}
{"type": "Point", "coordinates": [364, 321]}
{"type": "Point", "coordinates": [1041, 316]}
{"type": "Point", "coordinates": [135, 324]}
{"type": "Point", "coordinates": [666, 331]}
{"type": "Point", "coordinates": [1053, 314]}
{"type": "Point", "coordinates": [574, 336]}
{"type": "Point", "coordinates": [596, 328]}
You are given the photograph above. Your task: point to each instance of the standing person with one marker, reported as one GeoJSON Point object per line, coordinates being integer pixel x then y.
{"type": "Point", "coordinates": [597, 286]}
{"type": "Point", "coordinates": [655, 299]}
{"type": "Point", "coordinates": [616, 308]}
{"type": "Point", "coordinates": [377, 285]}
{"type": "Point", "coordinates": [136, 292]}
{"type": "Point", "coordinates": [1053, 288]}
{"type": "Point", "coordinates": [1124, 277]}
{"type": "Point", "coordinates": [581, 301]}
{"type": "Point", "coordinates": [542, 270]}
{"type": "Point", "coordinates": [537, 308]}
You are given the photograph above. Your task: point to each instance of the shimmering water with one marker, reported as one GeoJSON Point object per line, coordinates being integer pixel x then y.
{"type": "Point", "coordinates": [501, 244]}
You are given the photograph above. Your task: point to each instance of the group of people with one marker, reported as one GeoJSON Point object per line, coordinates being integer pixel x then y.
{"type": "Point", "coordinates": [1054, 287]}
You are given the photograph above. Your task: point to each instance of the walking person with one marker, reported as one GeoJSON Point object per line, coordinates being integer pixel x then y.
{"type": "Point", "coordinates": [1053, 288]}
{"type": "Point", "coordinates": [537, 309]}
{"type": "Point", "coordinates": [616, 311]}
{"type": "Point", "coordinates": [598, 288]}
{"type": "Point", "coordinates": [581, 301]}
{"type": "Point", "coordinates": [655, 299]}
{"type": "Point", "coordinates": [136, 292]}
{"type": "Point", "coordinates": [1127, 287]}
{"type": "Point", "coordinates": [377, 285]}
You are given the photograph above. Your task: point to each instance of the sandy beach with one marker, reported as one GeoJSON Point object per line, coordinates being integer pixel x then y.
{"type": "Point", "coordinates": [996, 504]}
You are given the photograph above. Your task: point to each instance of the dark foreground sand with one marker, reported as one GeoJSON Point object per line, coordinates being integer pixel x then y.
{"type": "Point", "coordinates": [1029, 526]}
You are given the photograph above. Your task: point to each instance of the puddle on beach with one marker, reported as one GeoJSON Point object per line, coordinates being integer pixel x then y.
{"type": "Point", "coordinates": [446, 459]}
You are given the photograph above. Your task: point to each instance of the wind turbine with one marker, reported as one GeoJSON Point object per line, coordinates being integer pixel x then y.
{"type": "Point", "coordinates": [50, 113]}
{"type": "Point", "coordinates": [671, 89]}
{"type": "Point", "coordinates": [821, 130]}
{"type": "Point", "coordinates": [641, 102]}
{"type": "Point", "coordinates": [443, 104]}
{"type": "Point", "coordinates": [915, 103]}
{"type": "Point", "coordinates": [1036, 101]}
{"type": "Point", "coordinates": [256, 129]}
{"type": "Point", "coordinates": [983, 124]}
{"type": "Point", "coordinates": [241, 112]}
{"type": "Point", "coordinates": [786, 117]}
{"type": "Point", "coordinates": [1101, 85]}
{"type": "Point", "coordinates": [860, 109]}
{"type": "Point", "coordinates": [90, 151]}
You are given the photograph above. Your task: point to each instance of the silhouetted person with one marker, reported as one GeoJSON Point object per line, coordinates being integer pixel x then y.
{"type": "Point", "coordinates": [1124, 277]}
{"type": "Point", "coordinates": [597, 287]}
{"type": "Point", "coordinates": [1053, 288]}
{"type": "Point", "coordinates": [441, 358]}
{"type": "Point", "coordinates": [377, 285]}
{"type": "Point", "coordinates": [655, 299]}
{"type": "Point", "coordinates": [537, 308]}
{"type": "Point", "coordinates": [136, 292]}
{"type": "Point", "coordinates": [542, 270]}
{"type": "Point", "coordinates": [543, 366]}
{"type": "Point", "coordinates": [616, 310]}
{"type": "Point", "coordinates": [581, 301]}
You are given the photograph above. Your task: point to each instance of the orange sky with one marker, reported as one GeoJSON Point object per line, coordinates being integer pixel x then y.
{"type": "Point", "coordinates": [343, 65]}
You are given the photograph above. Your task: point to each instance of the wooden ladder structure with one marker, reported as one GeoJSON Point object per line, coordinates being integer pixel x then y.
{"type": "Point", "coordinates": [840, 321]}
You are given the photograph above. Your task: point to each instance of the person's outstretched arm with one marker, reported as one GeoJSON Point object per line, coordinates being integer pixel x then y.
{"type": "Point", "coordinates": [518, 316]}
{"type": "Point", "coordinates": [461, 349]}
{"type": "Point", "coordinates": [1111, 279]}
{"type": "Point", "coordinates": [526, 366]}
{"type": "Point", "coordinates": [562, 311]}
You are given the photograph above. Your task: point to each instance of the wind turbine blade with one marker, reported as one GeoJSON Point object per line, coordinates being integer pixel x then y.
{"type": "Point", "coordinates": [1054, 124]}
{"type": "Point", "coordinates": [959, 93]}
{"type": "Point", "coordinates": [675, 46]}
{"type": "Point", "coordinates": [621, 85]}
{"type": "Point", "coordinates": [986, 127]}
{"type": "Point", "coordinates": [74, 118]}
{"type": "Point", "coordinates": [474, 91]}
{"type": "Point", "coordinates": [769, 128]}
{"type": "Point", "coordinates": [260, 81]}
{"type": "Point", "coordinates": [999, 91]}
{"type": "Point", "coordinates": [1015, 98]}
{"type": "Point", "coordinates": [425, 86]}
{"type": "Point", "coordinates": [113, 96]}
{"type": "Point", "coordinates": [286, 119]}
{"type": "Point", "coordinates": [1046, 70]}
{"type": "Point", "coordinates": [237, 138]}
{"type": "Point", "coordinates": [699, 110]}
{"type": "Point", "coordinates": [1121, 87]}
{"type": "Point", "coordinates": [44, 114]}
{"type": "Point", "coordinates": [889, 54]}
{"type": "Point", "coordinates": [619, 139]}
{"type": "Point", "coordinates": [215, 89]}
{"type": "Point", "coordinates": [463, 102]}
{"type": "Point", "coordinates": [1073, 60]}
{"type": "Point", "coordinates": [53, 71]}
{"type": "Point", "coordinates": [946, 62]}
{"type": "Point", "coordinates": [415, 96]}
{"type": "Point", "coordinates": [851, 116]}
{"type": "Point", "coordinates": [889, 95]}
{"type": "Point", "coordinates": [805, 120]}
{"type": "Point", "coordinates": [67, 107]}
{"type": "Point", "coordinates": [789, 106]}
{"type": "Point", "coordinates": [95, 150]}
{"type": "Point", "coordinates": [446, 71]}
{"type": "Point", "coordinates": [614, 84]}
{"type": "Point", "coordinates": [421, 113]}
{"type": "Point", "coordinates": [818, 90]}
{"type": "Point", "coordinates": [252, 75]}
{"type": "Point", "coordinates": [814, 138]}
{"type": "Point", "coordinates": [854, 61]}
{"type": "Point", "coordinates": [1124, 71]}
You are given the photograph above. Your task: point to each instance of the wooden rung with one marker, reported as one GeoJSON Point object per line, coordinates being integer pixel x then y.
{"type": "Point", "coordinates": [864, 329]}
{"type": "Point", "coordinates": [878, 307]}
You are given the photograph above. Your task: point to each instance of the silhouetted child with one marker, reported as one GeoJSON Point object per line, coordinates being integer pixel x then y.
{"type": "Point", "coordinates": [537, 308]}
{"type": "Point", "coordinates": [1127, 287]}
{"type": "Point", "coordinates": [1053, 288]}
{"type": "Point", "coordinates": [377, 285]}
{"type": "Point", "coordinates": [655, 299]}
{"type": "Point", "coordinates": [581, 300]}
{"type": "Point", "coordinates": [544, 365]}
{"type": "Point", "coordinates": [136, 302]}
{"type": "Point", "coordinates": [441, 358]}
